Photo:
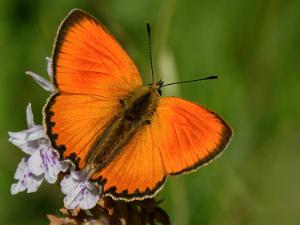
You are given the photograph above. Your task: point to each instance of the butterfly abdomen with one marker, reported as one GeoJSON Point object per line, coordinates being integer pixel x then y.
{"type": "Point", "coordinates": [135, 112]}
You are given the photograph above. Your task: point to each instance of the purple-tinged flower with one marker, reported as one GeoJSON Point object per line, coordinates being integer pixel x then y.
{"type": "Point", "coordinates": [43, 161]}
{"type": "Point", "coordinates": [28, 140]}
{"type": "Point", "coordinates": [26, 179]}
{"type": "Point", "coordinates": [79, 191]}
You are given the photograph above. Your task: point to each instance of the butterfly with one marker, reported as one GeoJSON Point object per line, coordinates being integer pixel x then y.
{"type": "Point", "coordinates": [122, 134]}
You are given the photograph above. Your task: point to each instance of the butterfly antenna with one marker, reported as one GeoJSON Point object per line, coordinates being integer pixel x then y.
{"type": "Point", "coordinates": [150, 49]}
{"type": "Point", "coordinates": [191, 81]}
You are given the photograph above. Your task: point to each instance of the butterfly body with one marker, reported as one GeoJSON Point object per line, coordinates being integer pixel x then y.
{"type": "Point", "coordinates": [136, 111]}
{"type": "Point", "coordinates": [122, 134]}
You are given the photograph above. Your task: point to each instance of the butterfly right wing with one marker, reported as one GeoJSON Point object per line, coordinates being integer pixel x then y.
{"type": "Point", "coordinates": [181, 137]}
{"type": "Point", "coordinates": [188, 135]}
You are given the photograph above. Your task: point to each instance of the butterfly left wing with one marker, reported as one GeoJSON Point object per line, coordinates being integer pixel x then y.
{"type": "Point", "coordinates": [91, 73]}
{"type": "Point", "coordinates": [88, 60]}
{"type": "Point", "coordinates": [181, 137]}
{"type": "Point", "coordinates": [74, 121]}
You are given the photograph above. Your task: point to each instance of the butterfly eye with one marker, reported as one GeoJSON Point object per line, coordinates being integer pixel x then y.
{"type": "Point", "coordinates": [122, 102]}
{"type": "Point", "coordinates": [159, 92]}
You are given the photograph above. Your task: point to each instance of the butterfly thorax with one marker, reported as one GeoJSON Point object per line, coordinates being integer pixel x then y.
{"type": "Point", "coordinates": [135, 112]}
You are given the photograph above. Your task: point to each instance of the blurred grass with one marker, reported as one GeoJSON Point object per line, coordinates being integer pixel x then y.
{"type": "Point", "coordinates": [254, 47]}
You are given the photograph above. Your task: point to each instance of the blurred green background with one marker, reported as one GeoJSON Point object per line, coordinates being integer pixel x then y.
{"type": "Point", "coordinates": [254, 48]}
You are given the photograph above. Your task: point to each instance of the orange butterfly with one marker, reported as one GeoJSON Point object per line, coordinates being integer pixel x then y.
{"type": "Point", "coordinates": [121, 133]}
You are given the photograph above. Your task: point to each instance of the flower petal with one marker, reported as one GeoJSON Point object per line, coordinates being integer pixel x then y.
{"type": "Point", "coordinates": [90, 198]}
{"type": "Point", "coordinates": [28, 140]}
{"type": "Point", "coordinates": [34, 182]}
{"type": "Point", "coordinates": [49, 66]}
{"type": "Point", "coordinates": [26, 180]}
{"type": "Point", "coordinates": [35, 163]}
{"type": "Point", "coordinates": [79, 191]}
{"type": "Point", "coordinates": [53, 164]}
{"type": "Point", "coordinates": [45, 84]}
{"type": "Point", "coordinates": [45, 162]}
{"type": "Point", "coordinates": [29, 116]}
{"type": "Point", "coordinates": [67, 184]}
{"type": "Point", "coordinates": [21, 169]}
{"type": "Point", "coordinates": [35, 133]}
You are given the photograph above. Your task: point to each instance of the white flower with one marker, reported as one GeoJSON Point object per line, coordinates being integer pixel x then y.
{"type": "Point", "coordinates": [79, 191]}
{"type": "Point", "coordinates": [49, 67]}
{"type": "Point", "coordinates": [45, 84]}
{"type": "Point", "coordinates": [30, 139]}
{"type": "Point", "coordinates": [43, 161]}
{"type": "Point", "coordinates": [27, 180]}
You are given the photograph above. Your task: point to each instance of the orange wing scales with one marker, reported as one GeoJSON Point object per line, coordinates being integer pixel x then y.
{"type": "Point", "coordinates": [74, 121]}
{"type": "Point", "coordinates": [181, 137]}
{"type": "Point", "coordinates": [88, 60]}
{"type": "Point", "coordinates": [138, 172]}
{"type": "Point", "coordinates": [190, 134]}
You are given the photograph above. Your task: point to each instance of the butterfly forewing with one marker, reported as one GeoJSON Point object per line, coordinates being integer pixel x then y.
{"type": "Point", "coordinates": [91, 73]}
{"type": "Point", "coordinates": [188, 135]}
{"type": "Point", "coordinates": [74, 121]}
{"type": "Point", "coordinates": [88, 60]}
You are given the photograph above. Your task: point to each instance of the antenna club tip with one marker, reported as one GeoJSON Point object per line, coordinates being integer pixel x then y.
{"type": "Point", "coordinates": [148, 26]}
{"type": "Point", "coordinates": [212, 77]}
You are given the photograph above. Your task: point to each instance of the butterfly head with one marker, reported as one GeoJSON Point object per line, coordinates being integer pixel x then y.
{"type": "Point", "coordinates": [156, 87]}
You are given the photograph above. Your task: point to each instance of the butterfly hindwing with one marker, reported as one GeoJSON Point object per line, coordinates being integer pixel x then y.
{"type": "Point", "coordinates": [138, 172]}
